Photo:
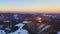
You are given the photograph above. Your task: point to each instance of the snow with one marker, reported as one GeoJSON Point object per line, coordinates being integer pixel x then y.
{"type": "Point", "coordinates": [58, 32]}
{"type": "Point", "coordinates": [26, 22]}
{"type": "Point", "coordinates": [47, 26]}
{"type": "Point", "coordinates": [2, 32]}
{"type": "Point", "coordinates": [22, 31]}
{"type": "Point", "coordinates": [19, 31]}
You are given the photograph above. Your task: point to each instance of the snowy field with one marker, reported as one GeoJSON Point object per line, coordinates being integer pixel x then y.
{"type": "Point", "coordinates": [19, 31]}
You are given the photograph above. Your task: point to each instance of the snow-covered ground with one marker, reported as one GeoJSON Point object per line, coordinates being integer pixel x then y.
{"type": "Point", "coordinates": [19, 31]}
{"type": "Point", "coordinates": [2, 32]}
{"type": "Point", "coordinates": [58, 32]}
{"type": "Point", "coordinates": [22, 31]}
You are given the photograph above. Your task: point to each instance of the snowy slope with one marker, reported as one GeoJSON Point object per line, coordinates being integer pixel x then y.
{"type": "Point", "coordinates": [2, 32]}
{"type": "Point", "coordinates": [19, 31]}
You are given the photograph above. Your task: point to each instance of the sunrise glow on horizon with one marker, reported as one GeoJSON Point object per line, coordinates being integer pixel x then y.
{"type": "Point", "coordinates": [37, 6]}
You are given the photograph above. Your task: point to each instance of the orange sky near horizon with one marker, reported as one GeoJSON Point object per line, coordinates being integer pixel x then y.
{"type": "Point", "coordinates": [36, 10]}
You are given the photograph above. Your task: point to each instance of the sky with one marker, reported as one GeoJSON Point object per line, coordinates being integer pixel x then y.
{"type": "Point", "coordinates": [33, 6]}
